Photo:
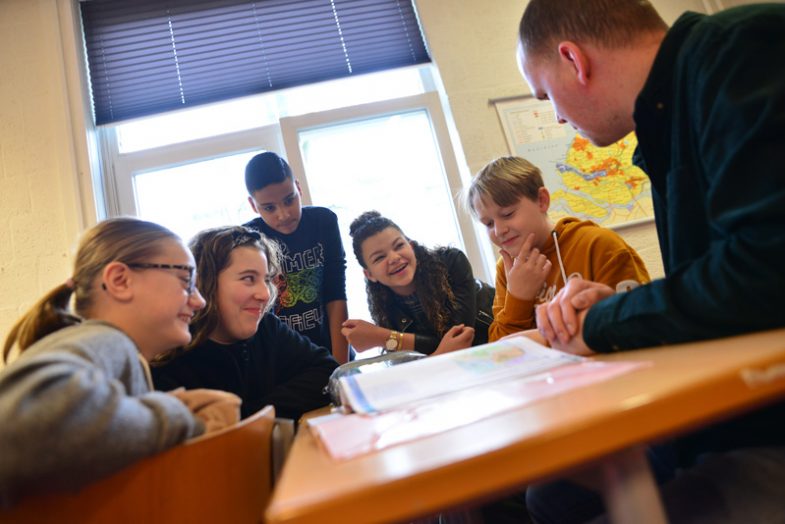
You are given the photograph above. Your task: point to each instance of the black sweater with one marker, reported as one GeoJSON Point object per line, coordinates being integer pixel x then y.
{"type": "Point", "coordinates": [276, 366]}
{"type": "Point", "coordinates": [314, 272]}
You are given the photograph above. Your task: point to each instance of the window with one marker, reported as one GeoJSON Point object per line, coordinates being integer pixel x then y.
{"type": "Point", "coordinates": [174, 85]}
{"type": "Point", "coordinates": [146, 156]}
{"type": "Point", "coordinates": [263, 110]}
{"type": "Point", "coordinates": [196, 196]}
{"type": "Point", "coordinates": [184, 170]}
{"type": "Point", "coordinates": [393, 157]}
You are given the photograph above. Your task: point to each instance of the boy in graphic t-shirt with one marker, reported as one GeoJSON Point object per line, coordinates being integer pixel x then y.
{"type": "Point", "coordinates": [312, 290]}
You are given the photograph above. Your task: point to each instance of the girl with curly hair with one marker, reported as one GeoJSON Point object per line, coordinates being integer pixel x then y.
{"type": "Point", "coordinates": [421, 299]}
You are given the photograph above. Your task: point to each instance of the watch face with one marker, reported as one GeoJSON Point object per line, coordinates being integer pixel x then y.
{"type": "Point", "coordinates": [391, 344]}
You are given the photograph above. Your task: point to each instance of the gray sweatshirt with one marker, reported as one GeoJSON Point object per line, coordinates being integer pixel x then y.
{"type": "Point", "coordinates": [76, 406]}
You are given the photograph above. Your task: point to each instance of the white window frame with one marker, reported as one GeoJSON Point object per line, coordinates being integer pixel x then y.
{"type": "Point", "coordinates": [122, 167]}
{"type": "Point", "coordinates": [105, 176]}
{"type": "Point", "coordinates": [429, 102]}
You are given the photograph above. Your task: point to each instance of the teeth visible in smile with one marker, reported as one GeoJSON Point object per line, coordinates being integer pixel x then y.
{"type": "Point", "coordinates": [398, 270]}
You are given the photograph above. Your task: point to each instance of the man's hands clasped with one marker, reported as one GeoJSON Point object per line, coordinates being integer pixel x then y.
{"type": "Point", "coordinates": [560, 321]}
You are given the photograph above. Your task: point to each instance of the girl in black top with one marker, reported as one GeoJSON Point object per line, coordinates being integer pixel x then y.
{"type": "Point", "coordinates": [420, 299]}
{"type": "Point", "coordinates": [238, 346]}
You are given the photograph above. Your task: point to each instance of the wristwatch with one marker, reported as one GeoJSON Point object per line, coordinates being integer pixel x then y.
{"type": "Point", "coordinates": [394, 341]}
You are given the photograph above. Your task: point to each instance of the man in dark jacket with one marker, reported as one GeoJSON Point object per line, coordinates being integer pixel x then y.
{"type": "Point", "coordinates": [707, 100]}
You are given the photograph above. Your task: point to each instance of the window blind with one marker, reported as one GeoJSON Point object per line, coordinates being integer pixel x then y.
{"type": "Point", "coordinates": [151, 56]}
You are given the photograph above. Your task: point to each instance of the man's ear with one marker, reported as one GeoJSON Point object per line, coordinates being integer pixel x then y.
{"type": "Point", "coordinates": [368, 275]}
{"type": "Point", "coordinates": [116, 280]}
{"type": "Point", "coordinates": [543, 199]}
{"type": "Point", "coordinates": [253, 204]}
{"type": "Point", "coordinates": [297, 185]}
{"type": "Point", "coordinates": [572, 55]}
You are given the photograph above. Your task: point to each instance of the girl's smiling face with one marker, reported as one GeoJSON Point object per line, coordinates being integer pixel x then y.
{"type": "Point", "coordinates": [242, 295]}
{"type": "Point", "coordinates": [165, 301]}
{"type": "Point", "coordinates": [390, 260]}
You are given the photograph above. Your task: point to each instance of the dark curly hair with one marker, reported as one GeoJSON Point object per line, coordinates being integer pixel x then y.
{"type": "Point", "coordinates": [430, 278]}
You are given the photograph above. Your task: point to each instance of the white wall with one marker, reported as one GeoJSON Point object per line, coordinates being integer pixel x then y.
{"type": "Point", "coordinates": [472, 42]}
{"type": "Point", "coordinates": [39, 210]}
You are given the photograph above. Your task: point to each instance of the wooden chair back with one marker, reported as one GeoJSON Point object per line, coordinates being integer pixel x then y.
{"type": "Point", "coordinates": [222, 477]}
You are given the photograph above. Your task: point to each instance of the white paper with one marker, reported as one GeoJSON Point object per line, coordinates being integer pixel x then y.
{"type": "Point", "coordinates": [430, 377]}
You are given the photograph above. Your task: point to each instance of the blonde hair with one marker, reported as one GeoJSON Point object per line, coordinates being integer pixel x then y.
{"type": "Point", "coordinates": [126, 240]}
{"type": "Point", "coordinates": [504, 180]}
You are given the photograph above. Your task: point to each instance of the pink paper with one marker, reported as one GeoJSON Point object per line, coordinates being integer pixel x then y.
{"type": "Point", "coordinates": [348, 435]}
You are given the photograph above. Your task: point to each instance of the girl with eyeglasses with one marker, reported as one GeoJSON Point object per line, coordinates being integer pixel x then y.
{"type": "Point", "coordinates": [77, 403]}
{"type": "Point", "coordinates": [238, 344]}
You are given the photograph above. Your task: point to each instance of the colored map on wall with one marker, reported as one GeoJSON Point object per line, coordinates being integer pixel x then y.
{"type": "Point", "coordinates": [589, 182]}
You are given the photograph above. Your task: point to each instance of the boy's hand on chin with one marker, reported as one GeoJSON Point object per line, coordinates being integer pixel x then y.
{"type": "Point", "coordinates": [526, 272]}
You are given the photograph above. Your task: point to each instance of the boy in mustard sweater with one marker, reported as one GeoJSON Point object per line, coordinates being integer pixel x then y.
{"type": "Point", "coordinates": [537, 257]}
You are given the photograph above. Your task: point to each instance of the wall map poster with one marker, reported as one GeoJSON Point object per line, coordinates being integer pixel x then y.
{"type": "Point", "coordinates": [589, 182]}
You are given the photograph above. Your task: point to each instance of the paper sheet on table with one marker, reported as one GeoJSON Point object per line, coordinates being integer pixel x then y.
{"type": "Point", "coordinates": [430, 377]}
{"type": "Point", "coordinates": [348, 435]}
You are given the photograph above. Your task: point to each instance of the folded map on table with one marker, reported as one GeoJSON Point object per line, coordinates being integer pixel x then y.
{"type": "Point", "coordinates": [514, 357]}
{"type": "Point", "coordinates": [436, 394]}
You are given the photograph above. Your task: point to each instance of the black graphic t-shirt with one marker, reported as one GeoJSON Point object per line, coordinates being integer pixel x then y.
{"type": "Point", "coordinates": [314, 271]}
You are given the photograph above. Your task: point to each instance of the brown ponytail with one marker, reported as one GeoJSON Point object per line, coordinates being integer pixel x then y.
{"type": "Point", "coordinates": [47, 316]}
{"type": "Point", "coordinates": [124, 239]}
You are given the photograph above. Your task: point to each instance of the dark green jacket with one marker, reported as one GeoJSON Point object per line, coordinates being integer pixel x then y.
{"type": "Point", "coordinates": [711, 130]}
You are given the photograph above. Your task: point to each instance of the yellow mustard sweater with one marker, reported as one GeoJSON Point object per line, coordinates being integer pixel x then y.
{"type": "Point", "coordinates": [587, 250]}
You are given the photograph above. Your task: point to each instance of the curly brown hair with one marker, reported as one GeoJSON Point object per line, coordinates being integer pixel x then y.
{"type": "Point", "coordinates": [430, 278]}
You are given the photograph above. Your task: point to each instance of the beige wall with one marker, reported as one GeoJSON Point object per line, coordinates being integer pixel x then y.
{"type": "Point", "coordinates": [40, 215]}
{"type": "Point", "coordinates": [39, 212]}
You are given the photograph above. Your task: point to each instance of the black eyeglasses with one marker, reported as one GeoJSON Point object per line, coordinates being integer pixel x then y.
{"type": "Point", "coordinates": [190, 284]}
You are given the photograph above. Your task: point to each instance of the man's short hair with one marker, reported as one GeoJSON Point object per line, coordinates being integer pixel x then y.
{"type": "Point", "coordinates": [607, 23]}
{"type": "Point", "coordinates": [265, 169]}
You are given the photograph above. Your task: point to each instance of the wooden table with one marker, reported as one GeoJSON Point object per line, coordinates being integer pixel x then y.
{"type": "Point", "coordinates": [604, 426]}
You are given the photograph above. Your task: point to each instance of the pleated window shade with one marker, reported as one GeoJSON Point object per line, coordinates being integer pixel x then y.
{"type": "Point", "coordinates": [151, 56]}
